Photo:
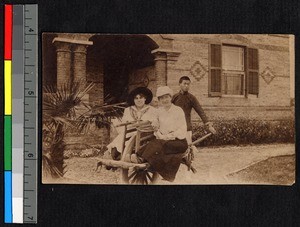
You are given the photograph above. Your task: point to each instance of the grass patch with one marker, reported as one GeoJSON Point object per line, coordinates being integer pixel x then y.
{"type": "Point", "coordinates": [278, 170]}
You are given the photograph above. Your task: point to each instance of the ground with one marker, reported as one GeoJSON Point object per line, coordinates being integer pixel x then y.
{"type": "Point", "coordinates": [256, 164]}
{"type": "Point", "coordinates": [280, 169]}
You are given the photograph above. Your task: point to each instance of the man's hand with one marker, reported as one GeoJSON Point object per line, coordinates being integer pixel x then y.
{"type": "Point", "coordinates": [211, 128]}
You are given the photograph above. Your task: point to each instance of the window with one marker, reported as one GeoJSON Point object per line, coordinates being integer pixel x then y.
{"type": "Point", "coordinates": [233, 70]}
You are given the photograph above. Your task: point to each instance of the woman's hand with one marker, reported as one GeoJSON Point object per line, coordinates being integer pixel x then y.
{"type": "Point", "coordinates": [169, 136]}
{"type": "Point", "coordinates": [155, 125]}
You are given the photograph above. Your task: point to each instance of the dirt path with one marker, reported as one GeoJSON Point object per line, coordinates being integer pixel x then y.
{"type": "Point", "coordinates": [213, 166]}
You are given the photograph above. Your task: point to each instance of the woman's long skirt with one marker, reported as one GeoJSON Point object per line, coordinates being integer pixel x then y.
{"type": "Point", "coordinates": [164, 156]}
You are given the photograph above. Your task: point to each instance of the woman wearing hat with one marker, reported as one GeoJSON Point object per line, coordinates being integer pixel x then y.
{"type": "Point", "coordinates": [138, 109]}
{"type": "Point", "coordinates": [164, 153]}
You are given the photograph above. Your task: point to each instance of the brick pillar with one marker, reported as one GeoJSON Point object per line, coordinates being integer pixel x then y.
{"type": "Point", "coordinates": [160, 59]}
{"type": "Point", "coordinates": [79, 63]}
{"type": "Point", "coordinates": [164, 61]}
{"type": "Point", "coordinates": [63, 51]}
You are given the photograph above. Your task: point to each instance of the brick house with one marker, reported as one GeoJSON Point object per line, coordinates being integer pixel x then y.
{"type": "Point", "coordinates": [237, 75]}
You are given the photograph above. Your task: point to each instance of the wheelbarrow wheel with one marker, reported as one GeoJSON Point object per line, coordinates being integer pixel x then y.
{"type": "Point", "coordinates": [133, 175]}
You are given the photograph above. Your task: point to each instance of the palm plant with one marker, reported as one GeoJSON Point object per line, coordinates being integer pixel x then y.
{"type": "Point", "coordinates": [59, 111]}
{"type": "Point", "coordinates": [64, 108]}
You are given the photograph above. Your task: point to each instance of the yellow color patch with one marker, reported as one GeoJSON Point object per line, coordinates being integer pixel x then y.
{"type": "Point", "coordinates": [7, 87]}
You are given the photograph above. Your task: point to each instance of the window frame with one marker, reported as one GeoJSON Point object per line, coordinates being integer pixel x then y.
{"type": "Point", "coordinates": [246, 89]}
{"type": "Point", "coordinates": [243, 72]}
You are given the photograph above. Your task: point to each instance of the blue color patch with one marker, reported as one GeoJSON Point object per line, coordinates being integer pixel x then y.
{"type": "Point", "coordinates": [7, 197]}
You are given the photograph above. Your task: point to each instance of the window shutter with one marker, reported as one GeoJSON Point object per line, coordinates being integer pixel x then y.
{"type": "Point", "coordinates": [252, 71]}
{"type": "Point", "coordinates": [215, 70]}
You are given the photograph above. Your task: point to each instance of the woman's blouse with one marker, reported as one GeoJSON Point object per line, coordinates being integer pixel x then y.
{"type": "Point", "coordinates": [172, 122]}
{"type": "Point", "coordinates": [147, 113]}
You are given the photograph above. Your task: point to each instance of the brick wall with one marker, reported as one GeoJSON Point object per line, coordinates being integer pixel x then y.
{"type": "Point", "coordinates": [95, 74]}
{"type": "Point", "coordinates": [273, 100]}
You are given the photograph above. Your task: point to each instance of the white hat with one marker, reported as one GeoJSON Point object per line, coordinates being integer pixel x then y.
{"type": "Point", "coordinates": [163, 91]}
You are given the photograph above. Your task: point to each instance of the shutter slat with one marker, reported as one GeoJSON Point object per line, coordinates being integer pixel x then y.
{"type": "Point", "coordinates": [215, 70]}
{"type": "Point", "coordinates": [215, 80]}
{"type": "Point", "coordinates": [252, 71]}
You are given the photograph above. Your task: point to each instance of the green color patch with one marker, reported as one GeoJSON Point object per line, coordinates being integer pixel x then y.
{"type": "Point", "coordinates": [7, 143]}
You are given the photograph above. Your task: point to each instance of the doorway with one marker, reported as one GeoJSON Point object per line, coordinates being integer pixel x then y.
{"type": "Point", "coordinates": [118, 57]}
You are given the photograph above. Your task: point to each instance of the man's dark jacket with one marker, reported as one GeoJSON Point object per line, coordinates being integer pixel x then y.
{"type": "Point", "coordinates": [187, 101]}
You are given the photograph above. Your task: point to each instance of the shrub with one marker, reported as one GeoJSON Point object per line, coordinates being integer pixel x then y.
{"type": "Point", "coordinates": [247, 131]}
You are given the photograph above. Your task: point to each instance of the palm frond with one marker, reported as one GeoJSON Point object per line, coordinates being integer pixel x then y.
{"type": "Point", "coordinates": [100, 116]}
{"type": "Point", "coordinates": [65, 100]}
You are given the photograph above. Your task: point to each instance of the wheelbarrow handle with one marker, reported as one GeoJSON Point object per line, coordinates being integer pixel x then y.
{"type": "Point", "coordinates": [201, 139]}
{"type": "Point", "coordinates": [126, 123]}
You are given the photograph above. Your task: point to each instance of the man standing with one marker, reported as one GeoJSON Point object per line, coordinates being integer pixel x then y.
{"type": "Point", "coordinates": [187, 101]}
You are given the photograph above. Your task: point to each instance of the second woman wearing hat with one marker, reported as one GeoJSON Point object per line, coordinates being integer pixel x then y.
{"type": "Point", "coordinates": [138, 109]}
{"type": "Point", "coordinates": [164, 154]}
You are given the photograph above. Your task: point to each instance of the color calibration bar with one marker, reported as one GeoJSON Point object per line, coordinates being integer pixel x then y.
{"type": "Point", "coordinates": [8, 20]}
{"type": "Point", "coordinates": [20, 58]}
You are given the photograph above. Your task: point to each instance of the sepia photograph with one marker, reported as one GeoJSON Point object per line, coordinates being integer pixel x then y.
{"type": "Point", "coordinates": [168, 109]}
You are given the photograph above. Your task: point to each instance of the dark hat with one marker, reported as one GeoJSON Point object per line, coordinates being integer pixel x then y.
{"type": "Point", "coordinates": [140, 90]}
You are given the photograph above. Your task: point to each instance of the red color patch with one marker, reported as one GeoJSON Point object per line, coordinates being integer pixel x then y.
{"type": "Point", "coordinates": [8, 32]}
